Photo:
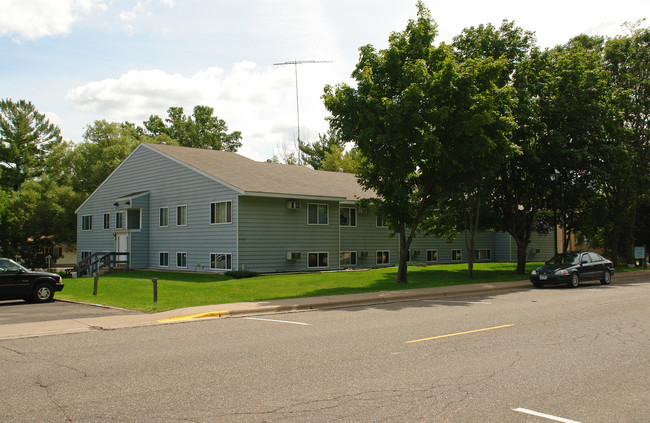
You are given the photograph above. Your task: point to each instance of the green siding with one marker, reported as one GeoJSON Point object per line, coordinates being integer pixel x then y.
{"type": "Point", "coordinates": [268, 230]}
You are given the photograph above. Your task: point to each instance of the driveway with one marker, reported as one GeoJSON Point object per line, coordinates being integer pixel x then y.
{"type": "Point", "coordinates": [18, 311]}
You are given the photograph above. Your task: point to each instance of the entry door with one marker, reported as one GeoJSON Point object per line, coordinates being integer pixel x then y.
{"type": "Point", "coordinates": [122, 245]}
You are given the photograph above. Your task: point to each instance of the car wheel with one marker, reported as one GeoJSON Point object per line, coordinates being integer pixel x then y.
{"type": "Point", "coordinates": [574, 281]}
{"type": "Point", "coordinates": [538, 285]}
{"type": "Point", "coordinates": [607, 278]}
{"type": "Point", "coordinates": [43, 293]}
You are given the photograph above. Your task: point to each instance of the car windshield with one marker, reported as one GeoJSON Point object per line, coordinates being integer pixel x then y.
{"type": "Point", "coordinates": [565, 258]}
{"type": "Point", "coordinates": [10, 266]}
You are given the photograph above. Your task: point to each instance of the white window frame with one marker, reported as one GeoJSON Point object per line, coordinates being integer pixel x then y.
{"type": "Point", "coordinates": [381, 223]}
{"type": "Point", "coordinates": [430, 253]}
{"type": "Point", "coordinates": [160, 256]}
{"type": "Point", "coordinates": [352, 217]}
{"type": "Point", "coordinates": [213, 215]}
{"type": "Point", "coordinates": [87, 222]}
{"type": "Point", "coordinates": [119, 222]}
{"type": "Point", "coordinates": [164, 212]}
{"type": "Point", "coordinates": [318, 259]}
{"type": "Point", "coordinates": [227, 259]}
{"type": "Point", "coordinates": [353, 258]}
{"type": "Point", "coordinates": [318, 222]}
{"type": "Point", "coordinates": [456, 255]}
{"type": "Point", "coordinates": [383, 253]}
{"type": "Point", "coordinates": [179, 208]}
{"type": "Point", "coordinates": [179, 255]}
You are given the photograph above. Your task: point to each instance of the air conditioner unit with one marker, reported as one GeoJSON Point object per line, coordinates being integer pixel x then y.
{"type": "Point", "coordinates": [293, 205]}
{"type": "Point", "coordinates": [363, 254]}
{"type": "Point", "coordinates": [293, 255]}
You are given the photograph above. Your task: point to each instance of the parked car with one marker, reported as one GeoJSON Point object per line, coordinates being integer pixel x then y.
{"type": "Point", "coordinates": [17, 282]}
{"type": "Point", "coordinates": [572, 267]}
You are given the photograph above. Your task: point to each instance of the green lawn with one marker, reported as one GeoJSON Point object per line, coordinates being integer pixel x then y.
{"type": "Point", "coordinates": [134, 290]}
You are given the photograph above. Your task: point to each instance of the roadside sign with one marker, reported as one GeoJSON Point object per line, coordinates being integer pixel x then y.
{"type": "Point", "coordinates": [639, 253]}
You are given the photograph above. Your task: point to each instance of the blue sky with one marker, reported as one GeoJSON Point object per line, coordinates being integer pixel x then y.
{"type": "Point", "coordinates": [83, 60]}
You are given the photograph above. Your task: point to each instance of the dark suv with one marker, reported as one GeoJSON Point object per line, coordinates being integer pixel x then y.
{"type": "Point", "coordinates": [572, 267]}
{"type": "Point", "coordinates": [18, 282]}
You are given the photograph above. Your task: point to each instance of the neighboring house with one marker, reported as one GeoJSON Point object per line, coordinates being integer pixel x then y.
{"type": "Point", "coordinates": [181, 208]}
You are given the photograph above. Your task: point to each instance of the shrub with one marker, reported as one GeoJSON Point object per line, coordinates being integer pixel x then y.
{"type": "Point", "coordinates": [239, 274]}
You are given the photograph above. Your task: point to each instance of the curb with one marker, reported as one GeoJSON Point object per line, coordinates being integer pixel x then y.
{"type": "Point", "coordinates": [353, 300]}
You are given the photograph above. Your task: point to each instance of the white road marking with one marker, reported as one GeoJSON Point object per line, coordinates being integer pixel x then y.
{"type": "Point", "coordinates": [278, 321]}
{"type": "Point", "coordinates": [546, 416]}
{"type": "Point", "coordinates": [452, 301]}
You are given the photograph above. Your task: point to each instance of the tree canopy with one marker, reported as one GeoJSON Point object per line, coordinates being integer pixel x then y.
{"type": "Point", "coordinates": [200, 130]}
{"type": "Point", "coordinates": [420, 118]}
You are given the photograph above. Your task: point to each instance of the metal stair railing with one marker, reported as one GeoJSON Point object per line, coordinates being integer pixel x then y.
{"type": "Point", "coordinates": [110, 260]}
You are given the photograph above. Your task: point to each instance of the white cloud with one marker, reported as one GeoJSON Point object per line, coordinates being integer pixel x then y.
{"type": "Point", "coordinates": [259, 102]}
{"type": "Point", "coordinates": [32, 19]}
{"type": "Point", "coordinates": [137, 11]}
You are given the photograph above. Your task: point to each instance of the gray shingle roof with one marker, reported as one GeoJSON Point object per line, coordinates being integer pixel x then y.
{"type": "Point", "coordinates": [262, 178]}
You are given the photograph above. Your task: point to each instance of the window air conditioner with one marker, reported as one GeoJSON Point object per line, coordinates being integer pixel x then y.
{"type": "Point", "coordinates": [293, 205]}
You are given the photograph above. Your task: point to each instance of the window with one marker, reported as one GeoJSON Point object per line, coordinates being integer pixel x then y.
{"type": "Point", "coordinates": [133, 219]}
{"type": "Point", "coordinates": [221, 212]}
{"type": "Point", "coordinates": [164, 259]}
{"type": "Point", "coordinates": [119, 220]}
{"type": "Point", "coordinates": [86, 223]}
{"type": "Point", "coordinates": [164, 216]}
{"type": "Point", "coordinates": [483, 254]}
{"type": "Point", "coordinates": [318, 214]}
{"type": "Point", "coordinates": [221, 261]}
{"type": "Point", "coordinates": [181, 260]}
{"type": "Point", "coordinates": [317, 259]}
{"type": "Point", "coordinates": [380, 222]}
{"type": "Point", "coordinates": [181, 216]}
{"type": "Point", "coordinates": [595, 257]}
{"type": "Point", "coordinates": [383, 257]}
{"type": "Point", "coordinates": [107, 220]}
{"type": "Point", "coordinates": [348, 258]}
{"type": "Point", "coordinates": [456, 255]}
{"type": "Point", "coordinates": [432, 255]}
{"type": "Point", "coordinates": [348, 216]}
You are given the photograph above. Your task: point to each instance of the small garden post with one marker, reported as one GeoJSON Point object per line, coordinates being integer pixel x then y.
{"type": "Point", "coordinates": [155, 289]}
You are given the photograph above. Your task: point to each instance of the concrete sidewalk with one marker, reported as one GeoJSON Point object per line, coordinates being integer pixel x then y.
{"type": "Point", "coordinates": [54, 327]}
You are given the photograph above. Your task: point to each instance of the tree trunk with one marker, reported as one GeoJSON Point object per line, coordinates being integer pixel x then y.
{"type": "Point", "coordinates": [402, 267]}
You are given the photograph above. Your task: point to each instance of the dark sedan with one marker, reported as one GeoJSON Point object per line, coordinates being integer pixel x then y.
{"type": "Point", "coordinates": [17, 282]}
{"type": "Point", "coordinates": [573, 267]}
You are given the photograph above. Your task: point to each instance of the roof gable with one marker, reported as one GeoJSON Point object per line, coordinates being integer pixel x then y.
{"type": "Point", "coordinates": [263, 178]}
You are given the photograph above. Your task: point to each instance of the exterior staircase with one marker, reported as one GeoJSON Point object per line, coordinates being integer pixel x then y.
{"type": "Point", "coordinates": [103, 262]}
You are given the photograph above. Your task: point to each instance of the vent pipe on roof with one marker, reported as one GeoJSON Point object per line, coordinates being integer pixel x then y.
{"type": "Point", "coordinates": [340, 170]}
{"type": "Point", "coordinates": [269, 161]}
{"type": "Point", "coordinates": [209, 147]}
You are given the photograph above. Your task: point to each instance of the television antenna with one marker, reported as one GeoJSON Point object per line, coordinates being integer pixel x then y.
{"type": "Point", "coordinates": [295, 64]}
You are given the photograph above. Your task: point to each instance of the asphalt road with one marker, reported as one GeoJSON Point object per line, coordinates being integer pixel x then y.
{"type": "Point", "coordinates": [18, 311]}
{"type": "Point", "coordinates": [546, 355]}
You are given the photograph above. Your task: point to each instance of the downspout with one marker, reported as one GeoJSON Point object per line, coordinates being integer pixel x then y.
{"type": "Point", "coordinates": [236, 267]}
{"type": "Point", "coordinates": [339, 220]}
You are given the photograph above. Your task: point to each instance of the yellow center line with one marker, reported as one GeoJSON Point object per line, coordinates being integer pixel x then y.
{"type": "Point", "coordinates": [459, 333]}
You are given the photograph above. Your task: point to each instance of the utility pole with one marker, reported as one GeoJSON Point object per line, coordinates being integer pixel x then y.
{"type": "Point", "coordinates": [295, 64]}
